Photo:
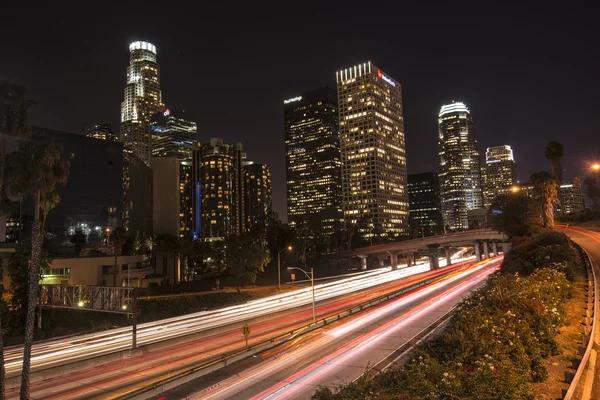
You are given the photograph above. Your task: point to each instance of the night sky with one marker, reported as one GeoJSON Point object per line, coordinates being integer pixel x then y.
{"type": "Point", "coordinates": [528, 75]}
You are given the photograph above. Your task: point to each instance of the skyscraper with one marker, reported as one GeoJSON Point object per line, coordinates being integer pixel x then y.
{"type": "Point", "coordinates": [313, 165]}
{"type": "Point", "coordinates": [424, 204]}
{"type": "Point", "coordinates": [572, 199]}
{"type": "Point", "coordinates": [141, 101]}
{"type": "Point", "coordinates": [102, 131]}
{"type": "Point", "coordinates": [218, 195]}
{"type": "Point", "coordinates": [259, 198]}
{"type": "Point", "coordinates": [373, 150]}
{"type": "Point", "coordinates": [459, 165]}
{"type": "Point", "coordinates": [173, 134]}
{"type": "Point", "coordinates": [499, 172]}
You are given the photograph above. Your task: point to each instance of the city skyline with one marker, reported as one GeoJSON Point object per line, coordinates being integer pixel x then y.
{"type": "Point", "coordinates": [507, 88]}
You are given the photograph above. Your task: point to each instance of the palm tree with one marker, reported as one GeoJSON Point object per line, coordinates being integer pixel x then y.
{"type": "Point", "coordinates": [150, 245]}
{"type": "Point", "coordinates": [14, 118]}
{"type": "Point", "coordinates": [546, 192]}
{"type": "Point", "coordinates": [33, 170]}
{"type": "Point", "coordinates": [118, 237]}
{"type": "Point", "coordinates": [554, 152]}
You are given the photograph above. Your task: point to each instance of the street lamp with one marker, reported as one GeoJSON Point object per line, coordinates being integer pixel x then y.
{"type": "Point", "coordinates": [596, 167]}
{"type": "Point", "coordinates": [312, 282]}
{"type": "Point", "coordinates": [279, 265]}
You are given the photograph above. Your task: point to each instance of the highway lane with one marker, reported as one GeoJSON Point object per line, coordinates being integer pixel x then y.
{"type": "Point", "coordinates": [340, 352]}
{"type": "Point", "coordinates": [590, 241]}
{"type": "Point", "coordinates": [109, 379]}
{"type": "Point", "coordinates": [92, 345]}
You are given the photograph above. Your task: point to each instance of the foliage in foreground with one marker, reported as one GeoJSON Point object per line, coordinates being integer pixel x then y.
{"type": "Point", "coordinates": [496, 343]}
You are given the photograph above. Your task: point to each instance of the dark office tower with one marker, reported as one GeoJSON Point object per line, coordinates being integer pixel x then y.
{"type": "Point", "coordinates": [173, 134]}
{"type": "Point", "coordinates": [313, 164]}
{"type": "Point", "coordinates": [424, 204]}
{"type": "Point", "coordinates": [459, 166]}
{"type": "Point", "coordinates": [141, 101]}
{"type": "Point", "coordinates": [258, 191]}
{"type": "Point", "coordinates": [373, 150]}
{"type": "Point", "coordinates": [102, 131]}
{"type": "Point", "coordinates": [499, 172]}
{"type": "Point", "coordinates": [217, 179]}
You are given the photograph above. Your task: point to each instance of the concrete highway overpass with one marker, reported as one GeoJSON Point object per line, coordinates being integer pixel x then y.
{"type": "Point", "coordinates": [482, 240]}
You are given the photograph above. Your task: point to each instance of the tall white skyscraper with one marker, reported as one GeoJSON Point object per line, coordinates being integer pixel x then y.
{"type": "Point", "coordinates": [373, 151]}
{"type": "Point", "coordinates": [459, 166]}
{"type": "Point", "coordinates": [141, 101]}
{"type": "Point", "coordinates": [499, 172]}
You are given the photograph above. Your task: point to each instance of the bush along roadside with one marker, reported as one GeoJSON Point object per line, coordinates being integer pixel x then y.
{"type": "Point", "coordinates": [495, 345]}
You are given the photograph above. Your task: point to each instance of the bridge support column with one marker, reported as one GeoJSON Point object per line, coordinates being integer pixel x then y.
{"type": "Point", "coordinates": [380, 261]}
{"type": "Point", "coordinates": [408, 259]}
{"type": "Point", "coordinates": [394, 261]}
{"type": "Point", "coordinates": [495, 248]}
{"type": "Point", "coordinates": [477, 251]}
{"type": "Point", "coordinates": [414, 258]}
{"type": "Point", "coordinates": [363, 262]}
{"type": "Point", "coordinates": [448, 256]}
{"type": "Point", "coordinates": [434, 256]}
{"type": "Point", "coordinates": [486, 250]}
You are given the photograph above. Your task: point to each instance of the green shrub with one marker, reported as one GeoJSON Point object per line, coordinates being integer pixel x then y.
{"type": "Point", "coordinates": [493, 347]}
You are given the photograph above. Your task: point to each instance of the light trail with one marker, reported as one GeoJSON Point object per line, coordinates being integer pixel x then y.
{"type": "Point", "coordinates": [63, 351]}
{"type": "Point", "coordinates": [286, 389]}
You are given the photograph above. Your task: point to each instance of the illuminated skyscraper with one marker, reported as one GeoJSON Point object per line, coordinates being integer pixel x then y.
{"type": "Point", "coordinates": [258, 191]}
{"type": "Point", "coordinates": [102, 131]}
{"type": "Point", "coordinates": [313, 163]}
{"type": "Point", "coordinates": [459, 166]}
{"type": "Point", "coordinates": [373, 150]}
{"type": "Point", "coordinates": [142, 100]}
{"type": "Point", "coordinates": [173, 134]}
{"type": "Point", "coordinates": [424, 209]}
{"type": "Point", "coordinates": [499, 172]}
{"type": "Point", "coordinates": [218, 195]}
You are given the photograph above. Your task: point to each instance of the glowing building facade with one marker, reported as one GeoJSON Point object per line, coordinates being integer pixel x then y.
{"type": "Point", "coordinates": [259, 197]}
{"type": "Point", "coordinates": [499, 172]}
{"type": "Point", "coordinates": [173, 134]}
{"type": "Point", "coordinates": [374, 183]}
{"type": "Point", "coordinates": [102, 132]}
{"type": "Point", "coordinates": [313, 164]}
{"type": "Point", "coordinates": [459, 166]}
{"type": "Point", "coordinates": [142, 99]}
{"type": "Point", "coordinates": [424, 204]}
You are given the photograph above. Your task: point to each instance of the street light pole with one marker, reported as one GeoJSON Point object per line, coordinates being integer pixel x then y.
{"type": "Point", "coordinates": [279, 266]}
{"type": "Point", "coordinates": [312, 284]}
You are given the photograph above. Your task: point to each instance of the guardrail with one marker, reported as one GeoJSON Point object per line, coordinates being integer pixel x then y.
{"type": "Point", "coordinates": [221, 362]}
{"type": "Point", "coordinates": [590, 313]}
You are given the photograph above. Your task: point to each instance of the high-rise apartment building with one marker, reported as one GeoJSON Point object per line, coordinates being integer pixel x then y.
{"type": "Point", "coordinates": [373, 150]}
{"type": "Point", "coordinates": [572, 199]}
{"type": "Point", "coordinates": [142, 99]}
{"type": "Point", "coordinates": [173, 134]}
{"type": "Point", "coordinates": [424, 204]}
{"type": "Point", "coordinates": [499, 172]}
{"type": "Point", "coordinates": [459, 165]}
{"type": "Point", "coordinates": [102, 131]}
{"type": "Point", "coordinates": [313, 164]}
{"type": "Point", "coordinates": [218, 190]}
{"type": "Point", "coordinates": [259, 198]}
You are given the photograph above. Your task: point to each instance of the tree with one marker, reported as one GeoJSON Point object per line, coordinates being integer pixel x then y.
{"type": "Point", "coordinates": [14, 116]}
{"type": "Point", "coordinates": [150, 245]}
{"type": "Point", "coordinates": [546, 192]}
{"type": "Point", "coordinates": [33, 170]}
{"type": "Point", "coordinates": [118, 237]}
{"type": "Point", "coordinates": [515, 214]}
{"type": "Point", "coordinates": [593, 189]}
{"type": "Point", "coordinates": [244, 258]}
{"type": "Point", "coordinates": [78, 239]}
{"type": "Point", "coordinates": [554, 152]}
{"type": "Point", "coordinates": [48, 203]}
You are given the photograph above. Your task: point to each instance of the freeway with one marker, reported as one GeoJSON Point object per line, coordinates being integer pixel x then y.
{"type": "Point", "coordinates": [339, 352]}
{"type": "Point", "coordinates": [590, 241]}
{"type": "Point", "coordinates": [274, 315]}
